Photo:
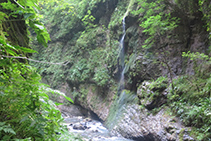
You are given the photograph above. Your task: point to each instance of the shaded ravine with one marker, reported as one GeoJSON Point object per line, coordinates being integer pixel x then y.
{"type": "Point", "coordinates": [91, 128]}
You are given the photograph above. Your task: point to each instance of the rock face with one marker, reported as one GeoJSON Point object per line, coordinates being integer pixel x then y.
{"type": "Point", "coordinates": [99, 103]}
{"type": "Point", "coordinates": [139, 124]}
{"type": "Point", "coordinates": [73, 110]}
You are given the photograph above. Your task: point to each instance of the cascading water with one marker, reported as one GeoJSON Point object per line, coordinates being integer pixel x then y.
{"type": "Point", "coordinates": [122, 58]}
{"type": "Point", "coordinates": [123, 96]}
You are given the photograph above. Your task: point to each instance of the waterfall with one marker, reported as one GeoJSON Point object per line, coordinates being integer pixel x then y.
{"type": "Point", "coordinates": [122, 58]}
{"type": "Point", "coordinates": [124, 97]}
{"type": "Point", "coordinates": [117, 107]}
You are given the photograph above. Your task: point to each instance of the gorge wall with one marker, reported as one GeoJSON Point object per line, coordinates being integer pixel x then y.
{"type": "Point", "coordinates": [88, 44]}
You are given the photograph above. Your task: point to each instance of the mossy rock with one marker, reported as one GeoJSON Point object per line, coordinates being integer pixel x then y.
{"type": "Point", "coordinates": [152, 94]}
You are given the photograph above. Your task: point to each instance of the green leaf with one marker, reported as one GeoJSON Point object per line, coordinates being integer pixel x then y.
{"type": "Point", "coordinates": [41, 27]}
{"type": "Point", "coordinates": [26, 50]}
{"type": "Point", "coordinates": [57, 104]}
{"type": "Point", "coordinates": [1, 124]}
{"type": "Point", "coordinates": [68, 98]}
{"type": "Point", "coordinates": [10, 46]}
{"type": "Point", "coordinates": [9, 130]}
{"type": "Point", "coordinates": [27, 15]}
{"type": "Point", "coordinates": [33, 3]}
{"type": "Point", "coordinates": [11, 52]}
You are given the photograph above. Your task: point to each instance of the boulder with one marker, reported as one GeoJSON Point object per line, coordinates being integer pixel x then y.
{"type": "Point", "coordinates": [139, 124]}
{"type": "Point", "coordinates": [79, 127]}
{"type": "Point", "coordinates": [152, 97]}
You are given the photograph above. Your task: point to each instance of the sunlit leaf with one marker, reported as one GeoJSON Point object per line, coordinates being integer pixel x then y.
{"type": "Point", "coordinates": [41, 27]}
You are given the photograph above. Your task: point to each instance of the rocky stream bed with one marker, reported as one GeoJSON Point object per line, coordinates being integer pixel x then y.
{"type": "Point", "coordinates": [131, 127]}
{"type": "Point", "coordinates": [89, 127]}
{"type": "Point", "coordinates": [90, 130]}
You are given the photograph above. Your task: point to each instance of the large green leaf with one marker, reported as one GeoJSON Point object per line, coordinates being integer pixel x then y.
{"type": "Point", "coordinates": [26, 50]}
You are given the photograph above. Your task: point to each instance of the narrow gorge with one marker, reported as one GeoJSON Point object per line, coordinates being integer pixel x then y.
{"type": "Point", "coordinates": [141, 66]}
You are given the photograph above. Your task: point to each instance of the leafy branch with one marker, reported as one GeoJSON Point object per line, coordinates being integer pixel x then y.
{"type": "Point", "coordinates": [19, 57]}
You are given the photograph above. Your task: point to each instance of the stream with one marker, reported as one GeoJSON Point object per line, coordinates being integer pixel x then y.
{"type": "Point", "coordinates": [90, 129]}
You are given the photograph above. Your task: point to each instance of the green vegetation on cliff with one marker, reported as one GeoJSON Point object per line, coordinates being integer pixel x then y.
{"type": "Point", "coordinates": [86, 41]}
{"type": "Point", "coordinates": [189, 95]}
{"type": "Point", "coordinates": [84, 45]}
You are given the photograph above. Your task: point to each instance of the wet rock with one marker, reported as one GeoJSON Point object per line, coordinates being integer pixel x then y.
{"type": "Point", "coordinates": [139, 123]}
{"type": "Point", "coordinates": [97, 100]}
{"type": "Point", "coordinates": [72, 110]}
{"type": "Point", "coordinates": [95, 131]}
{"type": "Point", "coordinates": [187, 138]}
{"type": "Point", "coordinates": [79, 127]}
{"type": "Point", "coordinates": [171, 137]}
{"type": "Point", "coordinates": [170, 129]}
{"type": "Point", "coordinates": [87, 120]}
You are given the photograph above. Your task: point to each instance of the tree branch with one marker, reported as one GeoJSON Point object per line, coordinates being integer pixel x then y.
{"type": "Point", "coordinates": [19, 57]}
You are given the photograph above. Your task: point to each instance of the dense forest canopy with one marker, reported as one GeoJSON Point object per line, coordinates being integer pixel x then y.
{"type": "Point", "coordinates": [84, 50]}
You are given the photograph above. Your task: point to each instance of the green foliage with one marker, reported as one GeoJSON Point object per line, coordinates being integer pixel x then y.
{"type": "Point", "coordinates": [29, 15]}
{"type": "Point", "coordinates": [187, 6]}
{"type": "Point", "coordinates": [200, 6]}
{"type": "Point", "coordinates": [83, 93]}
{"type": "Point", "coordinates": [93, 3]}
{"type": "Point", "coordinates": [191, 98]}
{"type": "Point", "coordinates": [58, 5]}
{"type": "Point", "coordinates": [88, 20]}
{"type": "Point", "coordinates": [156, 20]}
{"type": "Point", "coordinates": [26, 113]}
{"type": "Point", "coordinates": [195, 56]}
{"type": "Point", "coordinates": [21, 106]}
{"type": "Point", "coordinates": [89, 56]}
{"type": "Point", "coordinates": [159, 83]}
{"type": "Point", "coordinates": [118, 14]}
{"type": "Point", "coordinates": [23, 102]}
{"type": "Point", "coordinates": [205, 8]}
{"type": "Point", "coordinates": [151, 91]}
{"type": "Point", "coordinates": [101, 76]}
{"type": "Point", "coordinates": [79, 72]}
{"type": "Point", "coordinates": [7, 130]}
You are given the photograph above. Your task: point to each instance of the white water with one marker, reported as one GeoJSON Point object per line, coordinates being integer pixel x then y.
{"type": "Point", "coordinates": [122, 57]}
{"type": "Point", "coordinates": [95, 130]}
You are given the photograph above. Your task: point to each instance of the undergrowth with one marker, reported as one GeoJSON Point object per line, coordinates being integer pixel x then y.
{"type": "Point", "coordinates": [191, 98]}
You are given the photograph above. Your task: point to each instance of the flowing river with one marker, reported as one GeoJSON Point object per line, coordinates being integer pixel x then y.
{"type": "Point", "coordinates": [90, 129]}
